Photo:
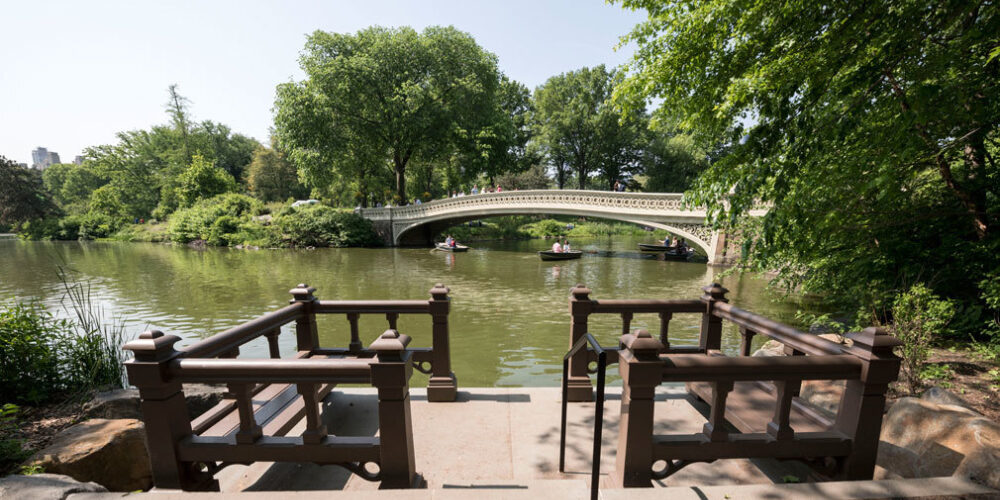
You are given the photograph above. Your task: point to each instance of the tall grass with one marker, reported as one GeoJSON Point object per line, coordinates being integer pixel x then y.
{"type": "Point", "coordinates": [45, 359]}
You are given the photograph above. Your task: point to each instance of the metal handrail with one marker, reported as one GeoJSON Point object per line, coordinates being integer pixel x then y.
{"type": "Point", "coordinates": [602, 363]}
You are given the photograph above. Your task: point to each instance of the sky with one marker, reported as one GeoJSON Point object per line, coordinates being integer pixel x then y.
{"type": "Point", "coordinates": [73, 73]}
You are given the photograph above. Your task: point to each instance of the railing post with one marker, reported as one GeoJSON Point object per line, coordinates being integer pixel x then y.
{"type": "Point", "coordinates": [272, 343]}
{"type": "Point", "coordinates": [442, 386]}
{"type": "Point", "coordinates": [711, 325]}
{"type": "Point", "coordinates": [579, 387]}
{"type": "Point", "coordinates": [863, 402]}
{"type": "Point", "coordinates": [306, 333]}
{"type": "Point", "coordinates": [391, 376]}
{"type": "Point", "coordinates": [665, 328]}
{"type": "Point", "coordinates": [164, 412]}
{"type": "Point", "coordinates": [355, 345]}
{"type": "Point", "coordinates": [746, 340]}
{"type": "Point", "coordinates": [642, 371]}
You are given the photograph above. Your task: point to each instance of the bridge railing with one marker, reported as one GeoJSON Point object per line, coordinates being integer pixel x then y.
{"type": "Point", "coordinates": [611, 199]}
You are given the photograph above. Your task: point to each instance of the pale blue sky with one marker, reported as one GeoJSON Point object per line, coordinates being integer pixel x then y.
{"type": "Point", "coordinates": [73, 73]}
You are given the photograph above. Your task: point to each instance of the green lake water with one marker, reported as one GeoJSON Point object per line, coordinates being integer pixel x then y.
{"type": "Point", "coordinates": [509, 318]}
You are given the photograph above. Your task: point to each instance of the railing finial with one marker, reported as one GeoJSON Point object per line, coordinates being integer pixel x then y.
{"type": "Point", "coordinates": [580, 292]}
{"type": "Point", "coordinates": [715, 293]}
{"type": "Point", "coordinates": [153, 345]}
{"type": "Point", "coordinates": [390, 345]}
{"type": "Point", "coordinates": [642, 344]}
{"type": "Point", "coordinates": [302, 293]}
{"type": "Point", "coordinates": [874, 340]}
{"type": "Point", "coordinates": [439, 291]}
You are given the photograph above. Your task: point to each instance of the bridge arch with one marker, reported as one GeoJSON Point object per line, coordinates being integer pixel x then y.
{"type": "Point", "coordinates": [660, 210]}
{"type": "Point", "coordinates": [687, 233]}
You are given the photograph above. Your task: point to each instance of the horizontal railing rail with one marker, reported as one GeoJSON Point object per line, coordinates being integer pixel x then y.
{"type": "Point", "coordinates": [290, 371]}
{"type": "Point", "coordinates": [224, 342]}
{"type": "Point", "coordinates": [639, 306]}
{"type": "Point", "coordinates": [373, 307]}
{"type": "Point", "coordinates": [801, 341]}
{"type": "Point", "coordinates": [701, 368]}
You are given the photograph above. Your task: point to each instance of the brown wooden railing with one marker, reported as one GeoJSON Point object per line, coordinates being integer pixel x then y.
{"type": "Point", "coordinates": [266, 398]}
{"type": "Point", "coordinates": [758, 396]}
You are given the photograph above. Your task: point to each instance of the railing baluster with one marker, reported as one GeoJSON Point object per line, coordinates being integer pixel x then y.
{"type": "Point", "coordinates": [355, 344]}
{"type": "Point", "coordinates": [626, 322]}
{"type": "Point", "coordinates": [715, 428]}
{"type": "Point", "coordinates": [315, 431]}
{"type": "Point", "coordinates": [779, 426]}
{"type": "Point", "coordinates": [249, 429]}
{"type": "Point", "coordinates": [746, 335]}
{"type": "Point", "coordinates": [272, 343]}
{"type": "Point", "coordinates": [665, 328]}
{"type": "Point", "coordinates": [391, 318]}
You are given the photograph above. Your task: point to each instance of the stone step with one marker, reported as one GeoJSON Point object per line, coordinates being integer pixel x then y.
{"type": "Point", "coordinates": [929, 488]}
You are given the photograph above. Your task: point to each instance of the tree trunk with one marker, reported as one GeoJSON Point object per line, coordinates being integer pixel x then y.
{"type": "Point", "coordinates": [400, 168]}
{"type": "Point", "coordinates": [561, 175]}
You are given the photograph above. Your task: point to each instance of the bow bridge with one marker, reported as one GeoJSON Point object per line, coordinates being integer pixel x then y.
{"type": "Point", "coordinates": [418, 224]}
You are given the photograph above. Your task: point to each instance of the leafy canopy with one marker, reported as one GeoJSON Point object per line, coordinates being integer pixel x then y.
{"type": "Point", "coordinates": [870, 126]}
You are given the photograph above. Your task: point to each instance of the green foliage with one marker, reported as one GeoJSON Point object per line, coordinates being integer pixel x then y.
{"type": "Point", "coordinates": [322, 226]}
{"type": "Point", "coordinates": [201, 180]}
{"type": "Point", "coordinates": [578, 127]}
{"type": "Point", "coordinates": [533, 178]}
{"type": "Point", "coordinates": [43, 358]}
{"type": "Point", "coordinates": [870, 128]}
{"type": "Point", "coordinates": [545, 228]}
{"type": "Point", "coordinates": [273, 178]}
{"type": "Point", "coordinates": [940, 373]}
{"type": "Point", "coordinates": [22, 194]}
{"type": "Point", "coordinates": [12, 450]}
{"type": "Point", "coordinates": [375, 100]}
{"type": "Point", "coordinates": [216, 220]}
{"type": "Point", "coordinates": [918, 317]}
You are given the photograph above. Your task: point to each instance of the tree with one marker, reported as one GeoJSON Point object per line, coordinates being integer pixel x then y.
{"type": "Point", "coordinates": [671, 164]}
{"type": "Point", "coordinates": [177, 109]}
{"type": "Point", "coordinates": [392, 94]}
{"type": "Point", "coordinates": [867, 125]}
{"type": "Point", "coordinates": [71, 184]}
{"type": "Point", "coordinates": [203, 179]}
{"type": "Point", "coordinates": [579, 127]}
{"type": "Point", "coordinates": [273, 178]}
{"type": "Point", "coordinates": [22, 194]}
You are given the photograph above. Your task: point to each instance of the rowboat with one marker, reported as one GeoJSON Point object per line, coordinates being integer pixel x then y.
{"type": "Point", "coordinates": [550, 255]}
{"type": "Point", "coordinates": [672, 253]}
{"type": "Point", "coordinates": [447, 248]}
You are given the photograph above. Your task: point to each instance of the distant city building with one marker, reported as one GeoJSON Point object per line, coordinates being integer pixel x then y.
{"type": "Point", "coordinates": [78, 160]}
{"type": "Point", "coordinates": [42, 158]}
{"type": "Point", "coordinates": [22, 165]}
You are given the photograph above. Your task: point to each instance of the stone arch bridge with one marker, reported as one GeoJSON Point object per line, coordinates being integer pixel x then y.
{"type": "Point", "coordinates": [417, 224]}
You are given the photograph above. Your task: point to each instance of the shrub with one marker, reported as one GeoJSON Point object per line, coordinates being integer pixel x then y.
{"type": "Point", "coordinates": [43, 358]}
{"type": "Point", "coordinates": [322, 226]}
{"type": "Point", "coordinates": [214, 220]}
{"type": "Point", "coordinates": [918, 316]}
{"type": "Point", "coordinates": [546, 227]}
{"type": "Point", "coordinates": [11, 450]}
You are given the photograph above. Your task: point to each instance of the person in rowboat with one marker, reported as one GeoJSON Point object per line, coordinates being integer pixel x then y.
{"type": "Point", "coordinates": [566, 247]}
{"type": "Point", "coordinates": [556, 247]}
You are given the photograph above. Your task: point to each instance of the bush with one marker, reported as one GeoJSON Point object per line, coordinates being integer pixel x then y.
{"type": "Point", "coordinates": [215, 220]}
{"type": "Point", "coordinates": [918, 316]}
{"type": "Point", "coordinates": [11, 450]}
{"type": "Point", "coordinates": [322, 226]}
{"type": "Point", "coordinates": [546, 227]}
{"type": "Point", "coordinates": [43, 358]}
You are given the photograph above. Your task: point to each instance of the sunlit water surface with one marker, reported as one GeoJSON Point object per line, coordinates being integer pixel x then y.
{"type": "Point", "coordinates": [509, 318]}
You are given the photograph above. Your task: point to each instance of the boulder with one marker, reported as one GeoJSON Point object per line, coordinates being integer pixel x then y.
{"type": "Point", "coordinates": [125, 403]}
{"type": "Point", "coordinates": [111, 453]}
{"type": "Point", "coordinates": [770, 348]}
{"type": "Point", "coordinates": [202, 397]}
{"type": "Point", "coordinates": [941, 396]}
{"type": "Point", "coordinates": [44, 487]}
{"type": "Point", "coordinates": [823, 394]}
{"type": "Point", "coordinates": [837, 338]}
{"type": "Point", "coordinates": [924, 439]}
{"type": "Point", "coordinates": [121, 403]}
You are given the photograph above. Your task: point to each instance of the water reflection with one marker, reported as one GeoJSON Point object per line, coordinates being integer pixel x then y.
{"type": "Point", "coordinates": [509, 319]}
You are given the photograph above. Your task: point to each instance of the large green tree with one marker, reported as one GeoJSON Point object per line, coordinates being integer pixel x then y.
{"type": "Point", "coordinates": [578, 127]}
{"type": "Point", "coordinates": [22, 194]}
{"type": "Point", "coordinates": [867, 125]}
{"type": "Point", "coordinates": [271, 177]}
{"type": "Point", "coordinates": [385, 94]}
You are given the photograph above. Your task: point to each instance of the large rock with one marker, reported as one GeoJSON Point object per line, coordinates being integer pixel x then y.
{"type": "Point", "coordinates": [111, 453]}
{"type": "Point", "coordinates": [770, 348]}
{"type": "Point", "coordinates": [44, 487]}
{"type": "Point", "coordinates": [941, 396]}
{"type": "Point", "coordinates": [924, 439]}
{"type": "Point", "coordinates": [125, 403]}
{"type": "Point", "coordinates": [121, 403]}
{"type": "Point", "coordinates": [823, 394]}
